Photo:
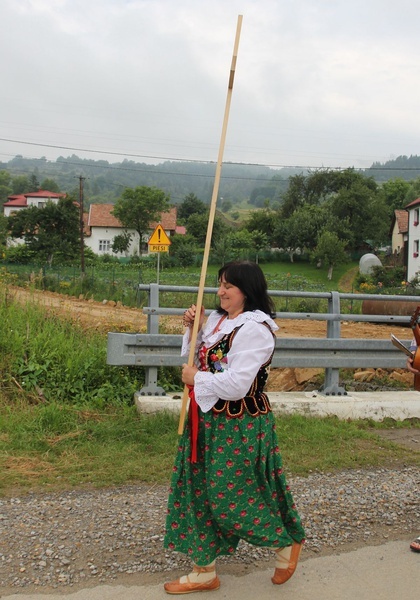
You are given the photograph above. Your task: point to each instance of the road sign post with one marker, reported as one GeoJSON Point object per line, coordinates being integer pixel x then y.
{"type": "Point", "coordinates": [159, 242]}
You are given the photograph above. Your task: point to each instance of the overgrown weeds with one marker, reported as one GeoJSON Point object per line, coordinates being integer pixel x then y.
{"type": "Point", "coordinates": [53, 359]}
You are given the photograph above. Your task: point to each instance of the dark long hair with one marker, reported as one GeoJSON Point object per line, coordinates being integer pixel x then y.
{"type": "Point", "coordinates": [249, 278]}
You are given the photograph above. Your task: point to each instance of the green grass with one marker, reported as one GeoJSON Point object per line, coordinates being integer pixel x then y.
{"type": "Point", "coordinates": [54, 447]}
{"type": "Point", "coordinates": [67, 419]}
{"type": "Point", "coordinates": [46, 357]}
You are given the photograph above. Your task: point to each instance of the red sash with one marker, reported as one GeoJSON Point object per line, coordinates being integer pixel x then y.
{"type": "Point", "coordinates": [193, 412]}
{"type": "Point", "coordinates": [193, 422]}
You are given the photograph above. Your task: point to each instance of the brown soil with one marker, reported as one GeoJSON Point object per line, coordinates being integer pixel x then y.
{"type": "Point", "coordinates": [111, 316]}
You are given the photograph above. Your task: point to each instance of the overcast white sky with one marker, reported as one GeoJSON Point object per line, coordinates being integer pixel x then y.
{"type": "Point", "coordinates": [318, 82]}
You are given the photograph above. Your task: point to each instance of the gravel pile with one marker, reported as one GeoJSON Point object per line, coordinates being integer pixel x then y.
{"type": "Point", "coordinates": [77, 538]}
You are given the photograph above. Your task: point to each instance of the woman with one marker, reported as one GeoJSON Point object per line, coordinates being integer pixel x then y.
{"type": "Point", "coordinates": [229, 483]}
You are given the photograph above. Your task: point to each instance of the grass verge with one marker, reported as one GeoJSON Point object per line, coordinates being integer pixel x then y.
{"type": "Point", "coordinates": [54, 447]}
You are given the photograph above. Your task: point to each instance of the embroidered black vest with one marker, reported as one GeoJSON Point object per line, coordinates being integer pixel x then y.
{"type": "Point", "coordinates": [255, 402]}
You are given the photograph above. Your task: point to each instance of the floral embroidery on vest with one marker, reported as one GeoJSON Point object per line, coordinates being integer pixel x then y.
{"type": "Point", "coordinates": [214, 359]}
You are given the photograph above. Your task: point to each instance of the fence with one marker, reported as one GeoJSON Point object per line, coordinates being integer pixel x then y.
{"type": "Point", "coordinates": [154, 350]}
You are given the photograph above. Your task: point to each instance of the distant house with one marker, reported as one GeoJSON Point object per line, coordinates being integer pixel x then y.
{"type": "Point", "coordinates": [103, 226]}
{"type": "Point", "coordinates": [100, 225]}
{"type": "Point", "coordinates": [22, 201]}
{"type": "Point", "coordinates": [399, 236]}
{"type": "Point", "coordinates": [413, 253]}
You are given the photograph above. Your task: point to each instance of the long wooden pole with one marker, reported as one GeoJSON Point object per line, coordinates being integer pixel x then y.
{"type": "Point", "coordinates": [199, 302]}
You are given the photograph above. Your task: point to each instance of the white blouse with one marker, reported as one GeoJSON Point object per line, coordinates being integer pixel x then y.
{"type": "Point", "coordinates": [252, 346]}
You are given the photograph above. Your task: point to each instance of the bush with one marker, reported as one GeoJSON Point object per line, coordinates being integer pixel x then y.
{"type": "Point", "coordinates": [54, 359]}
{"type": "Point", "coordinates": [20, 255]}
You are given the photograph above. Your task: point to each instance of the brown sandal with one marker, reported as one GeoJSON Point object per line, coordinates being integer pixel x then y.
{"type": "Point", "coordinates": [415, 545]}
{"type": "Point", "coordinates": [281, 575]}
{"type": "Point", "coordinates": [176, 587]}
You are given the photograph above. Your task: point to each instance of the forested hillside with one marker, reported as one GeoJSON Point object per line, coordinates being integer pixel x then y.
{"type": "Point", "coordinates": [105, 181]}
{"type": "Point", "coordinates": [403, 167]}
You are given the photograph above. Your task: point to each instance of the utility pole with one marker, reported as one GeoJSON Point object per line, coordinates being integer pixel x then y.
{"type": "Point", "coordinates": [82, 226]}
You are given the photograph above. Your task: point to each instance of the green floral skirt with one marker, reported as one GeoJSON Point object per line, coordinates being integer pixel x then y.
{"type": "Point", "coordinates": [236, 490]}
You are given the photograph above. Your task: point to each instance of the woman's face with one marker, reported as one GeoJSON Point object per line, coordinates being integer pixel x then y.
{"type": "Point", "coordinates": [232, 300]}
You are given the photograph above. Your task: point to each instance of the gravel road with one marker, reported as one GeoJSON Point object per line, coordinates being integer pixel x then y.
{"type": "Point", "coordinates": [81, 538]}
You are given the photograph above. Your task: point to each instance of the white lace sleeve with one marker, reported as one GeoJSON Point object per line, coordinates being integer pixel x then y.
{"type": "Point", "coordinates": [204, 332]}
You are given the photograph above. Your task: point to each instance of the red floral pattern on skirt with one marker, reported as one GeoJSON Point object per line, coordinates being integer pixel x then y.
{"type": "Point", "coordinates": [236, 490]}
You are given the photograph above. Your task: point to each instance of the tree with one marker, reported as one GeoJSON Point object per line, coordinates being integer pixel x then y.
{"type": "Point", "coordinates": [241, 243]}
{"type": "Point", "coordinates": [3, 232]}
{"type": "Point", "coordinates": [300, 230]}
{"type": "Point", "coordinates": [395, 192]}
{"type": "Point", "coordinates": [51, 231]}
{"type": "Point", "coordinates": [414, 191]}
{"type": "Point", "coordinates": [183, 249]}
{"type": "Point", "coordinates": [121, 242]}
{"type": "Point", "coordinates": [365, 211]}
{"type": "Point", "coordinates": [191, 206]}
{"type": "Point", "coordinates": [20, 185]}
{"type": "Point", "coordinates": [265, 221]}
{"type": "Point", "coordinates": [330, 250]}
{"type": "Point", "coordinates": [294, 196]}
{"type": "Point", "coordinates": [222, 250]}
{"type": "Point", "coordinates": [197, 227]}
{"type": "Point", "coordinates": [51, 185]}
{"type": "Point", "coordinates": [226, 206]}
{"type": "Point", "coordinates": [139, 207]}
{"type": "Point", "coordinates": [5, 185]}
{"type": "Point", "coordinates": [260, 242]}
{"type": "Point", "coordinates": [34, 183]}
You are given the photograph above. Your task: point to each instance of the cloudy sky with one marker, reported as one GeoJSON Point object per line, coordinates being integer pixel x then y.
{"type": "Point", "coordinates": [318, 82]}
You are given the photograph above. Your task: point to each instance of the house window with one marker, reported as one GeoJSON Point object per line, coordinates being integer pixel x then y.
{"type": "Point", "coordinates": [104, 245]}
{"type": "Point", "coordinates": [416, 217]}
{"type": "Point", "coordinates": [416, 248]}
{"type": "Point", "coordinates": [41, 204]}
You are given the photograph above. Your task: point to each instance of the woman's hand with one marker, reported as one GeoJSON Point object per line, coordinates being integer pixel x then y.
{"type": "Point", "coordinates": [410, 367]}
{"type": "Point", "coordinates": [189, 316]}
{"type": "Point", "coordinates": [188, 374]}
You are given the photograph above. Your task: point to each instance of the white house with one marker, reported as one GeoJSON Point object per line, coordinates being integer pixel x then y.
{"type": "Point", "coordinates": [102, 227]}
{"type": "Point", "coordinates": [21, 201]}
{"type": "Point", "coordinates": [413, 254]}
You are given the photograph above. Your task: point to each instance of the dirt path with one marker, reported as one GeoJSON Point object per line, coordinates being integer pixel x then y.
{"type": "Point", "coordinates": [110, 316]}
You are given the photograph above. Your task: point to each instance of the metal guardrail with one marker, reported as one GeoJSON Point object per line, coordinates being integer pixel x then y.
{"type": "Point", "coordinates": [154, 350]}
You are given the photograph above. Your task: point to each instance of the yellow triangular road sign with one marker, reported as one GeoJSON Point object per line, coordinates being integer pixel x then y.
{"type": "Point", "coordinates": [159, 237]}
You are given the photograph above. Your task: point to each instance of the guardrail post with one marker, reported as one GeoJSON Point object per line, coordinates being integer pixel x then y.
{"type": "Point", "coordinates": [331, 386]}
{"type": "Point", "coordinates": [151, 387]}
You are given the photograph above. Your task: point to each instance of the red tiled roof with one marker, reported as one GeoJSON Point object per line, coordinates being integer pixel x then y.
{"type": "Point", "coordinates": [16, 200]}
{"type": "Point", "coordinates": [100, 215]}
{"type": "Point", "coordinates": [44, 194]}
{"type": "Point", "coordinates": [21, 199]}
{"type": "Point", "coordinates": [401, 217]}
{"type": "Point", "coordinates": [167, 220]}
{"type": "Point", "coordinates": [413, 203]}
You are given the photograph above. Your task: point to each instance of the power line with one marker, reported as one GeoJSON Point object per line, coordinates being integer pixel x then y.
{"type": "Point", "coordinates": [104, 151]}
{"type": "Point", "coordinates": [197, 161]}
